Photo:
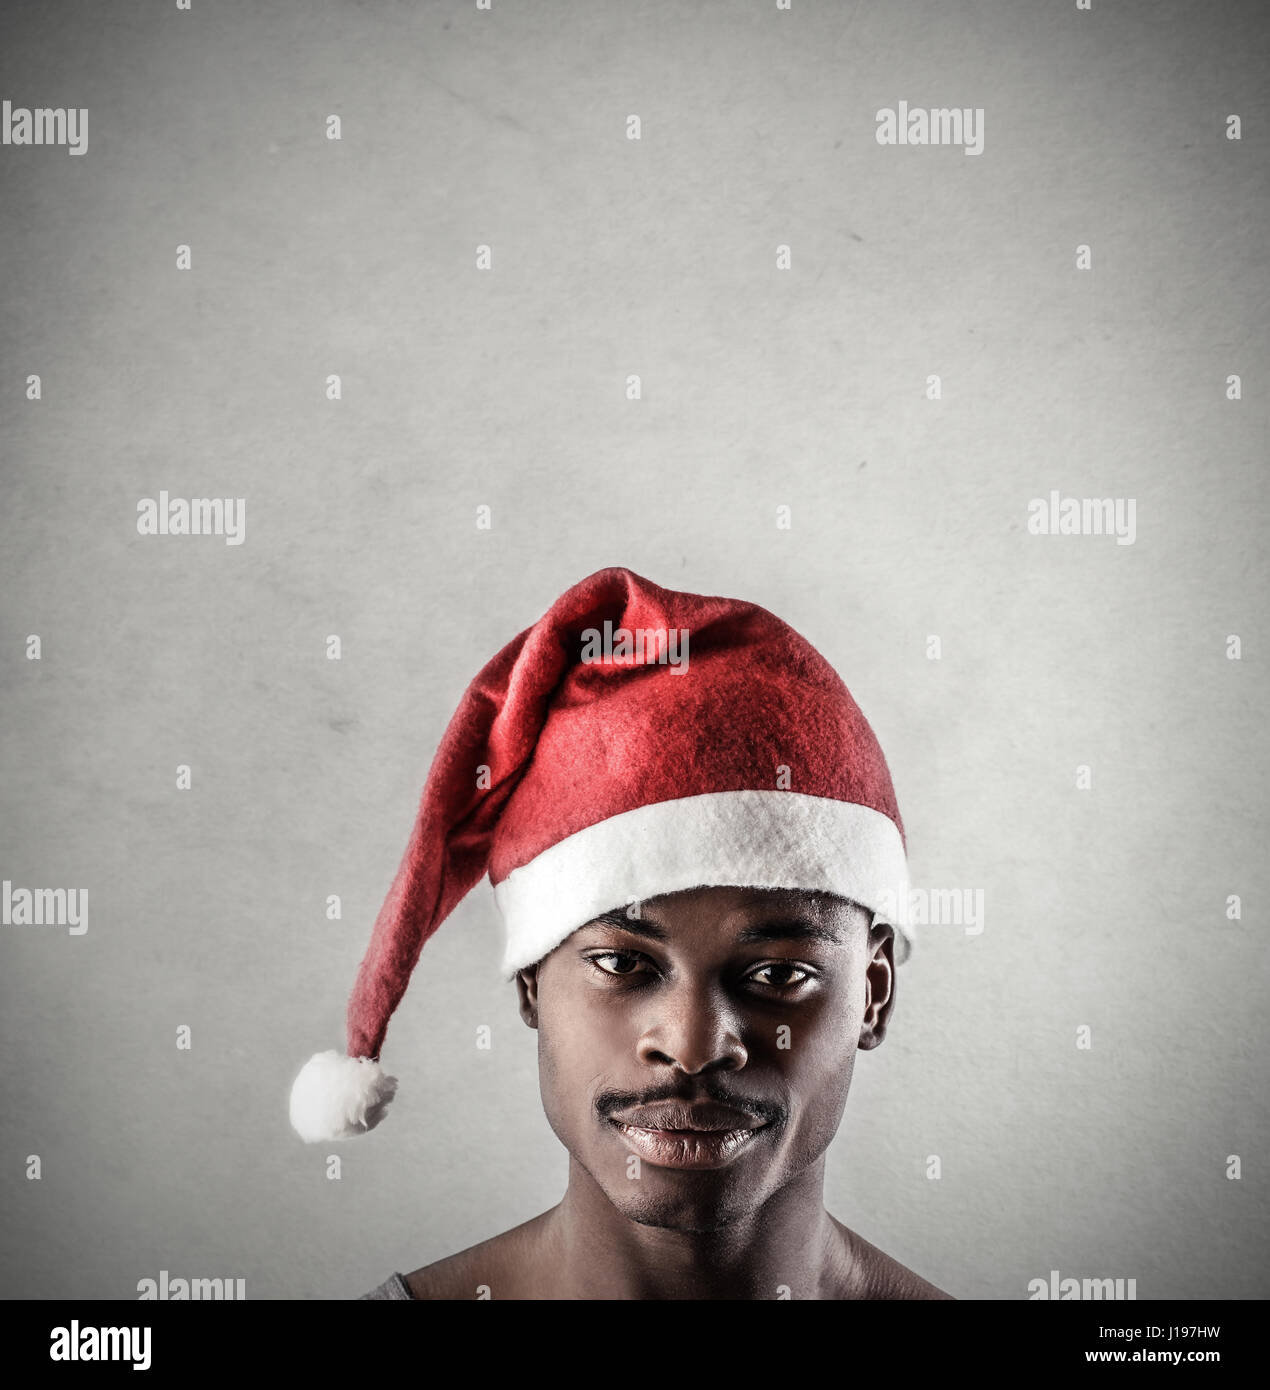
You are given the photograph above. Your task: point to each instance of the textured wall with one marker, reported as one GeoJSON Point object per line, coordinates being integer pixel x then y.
{"type": "Point", "coordinates": [1105, 906]}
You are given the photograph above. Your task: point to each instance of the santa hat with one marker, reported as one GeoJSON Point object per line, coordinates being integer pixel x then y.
{"type": "Point", "coordinates": [634, 741]}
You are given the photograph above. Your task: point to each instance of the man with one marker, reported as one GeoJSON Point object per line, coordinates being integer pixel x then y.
{"type": "Point", "coordinates": [695, 847]}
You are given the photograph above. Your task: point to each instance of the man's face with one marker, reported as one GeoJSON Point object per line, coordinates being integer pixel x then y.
{"type": "Point", "coordinates": [711, 1001]}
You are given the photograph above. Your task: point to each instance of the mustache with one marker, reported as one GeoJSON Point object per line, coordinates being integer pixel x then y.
{"type": "Point", "coordinates": [608, 1103]}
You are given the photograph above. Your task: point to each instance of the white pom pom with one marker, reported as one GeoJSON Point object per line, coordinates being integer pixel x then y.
{"type": "Point", "coordinates": [337, 1097]}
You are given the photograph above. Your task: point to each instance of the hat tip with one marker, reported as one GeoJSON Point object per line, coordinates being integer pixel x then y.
{"type": "Point", "coordinates": [338, 1097]}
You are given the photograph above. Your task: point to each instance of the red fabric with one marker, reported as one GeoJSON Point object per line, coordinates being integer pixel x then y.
{"type": "Point", "coordinates": [569, 744]}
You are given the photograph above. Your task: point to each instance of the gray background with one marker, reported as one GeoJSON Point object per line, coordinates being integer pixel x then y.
{"type": "Point", "coordinates": [506, 388]}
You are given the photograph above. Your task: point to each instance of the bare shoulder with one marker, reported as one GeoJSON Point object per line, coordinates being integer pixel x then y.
{"type": "Point", "coordinates": [876, 1275]}
{"type": "Point", "coordinates": [496, 1268]}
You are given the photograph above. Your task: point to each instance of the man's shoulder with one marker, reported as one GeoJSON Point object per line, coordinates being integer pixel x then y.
{"type": "Point", "coordinates": [452, 1277]}
{"type": "Point", "coordinates": [492, 1269]}
{"type": "Point", "coordinates": [873, 1274]}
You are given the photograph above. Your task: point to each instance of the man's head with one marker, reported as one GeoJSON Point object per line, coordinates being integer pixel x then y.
{"type": "Point", "coordinates": [581, 770]}
{"type": "Point", "coordinates": [750, 999]}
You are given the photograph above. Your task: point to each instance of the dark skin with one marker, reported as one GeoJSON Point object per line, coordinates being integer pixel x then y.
{"type": "Point", "coordinates": [673, 1005]}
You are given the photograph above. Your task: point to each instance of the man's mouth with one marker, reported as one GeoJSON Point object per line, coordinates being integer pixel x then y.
{"type": "Point", "coordinates": [676, 1135]}
{"type": "Point", "coordinates": [687, 1148]}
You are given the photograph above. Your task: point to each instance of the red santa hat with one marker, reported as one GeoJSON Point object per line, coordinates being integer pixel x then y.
{"type": "Point", "coordinates": [634, 741]}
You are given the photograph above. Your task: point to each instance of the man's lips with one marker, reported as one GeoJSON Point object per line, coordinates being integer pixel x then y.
{"type": "Point", "coordinates": [687, 1148]}
{"type": "Point", "coordinates": [697, 1117]}
{"type": "Point", "coordinates": [678, 1135]}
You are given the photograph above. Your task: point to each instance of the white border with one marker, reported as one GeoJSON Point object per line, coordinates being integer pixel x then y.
{"type": "Point", "coordinates": [755, 839]}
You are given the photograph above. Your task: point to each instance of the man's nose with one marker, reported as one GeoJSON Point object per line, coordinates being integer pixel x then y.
{"type": "Point", "coordinates": [694, 1027]}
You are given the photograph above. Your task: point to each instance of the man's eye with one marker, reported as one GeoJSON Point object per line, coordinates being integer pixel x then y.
{"type": "Point", "coordinates": [623, 957]}
{"type": "Point", "coordinates": [779, 967]}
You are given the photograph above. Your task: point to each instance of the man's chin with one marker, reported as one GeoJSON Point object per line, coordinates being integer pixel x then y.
{"type": "Point", "coordinates": [678, 1214]}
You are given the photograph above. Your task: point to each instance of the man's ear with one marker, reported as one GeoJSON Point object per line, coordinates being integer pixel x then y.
{"type": "Point", "coordinates": [527, 988]}
{"type": "Point", "coordinates": [879, 997]}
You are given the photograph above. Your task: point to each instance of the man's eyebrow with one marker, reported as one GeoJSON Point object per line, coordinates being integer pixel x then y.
{"type": "Point", "coordinates": [795, 929]}
{"type": "Point", "coordinates": [636, 925]}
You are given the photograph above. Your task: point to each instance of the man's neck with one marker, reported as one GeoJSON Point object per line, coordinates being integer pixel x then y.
{"type": "Point", "coordinates": [592, 1250]}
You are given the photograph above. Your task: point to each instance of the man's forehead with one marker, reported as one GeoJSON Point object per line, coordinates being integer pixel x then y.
{"type": "Point", "coordinates": [740, 915]}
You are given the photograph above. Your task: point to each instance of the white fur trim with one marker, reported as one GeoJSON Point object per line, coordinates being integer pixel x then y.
{"type": "Point", "coordinates": [752, 839]}
{"type": "Point", "coordinates": [337, 1097]}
